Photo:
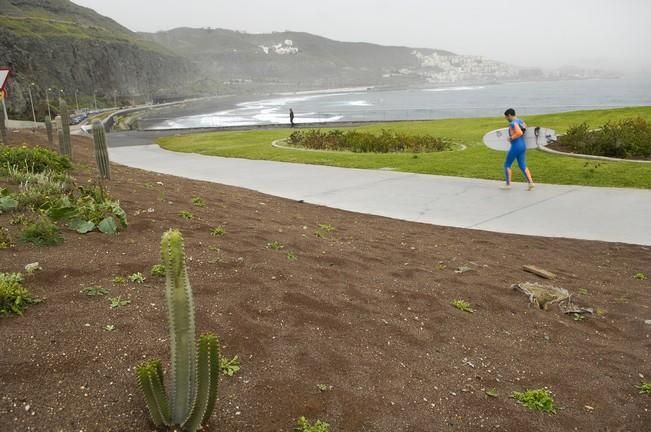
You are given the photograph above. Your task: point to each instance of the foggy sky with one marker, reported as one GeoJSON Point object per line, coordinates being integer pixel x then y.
{"type": "Point", "coordinates": [613, 34]}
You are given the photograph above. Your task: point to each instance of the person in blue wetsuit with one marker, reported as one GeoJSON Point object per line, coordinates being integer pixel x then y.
{"type": "Point", "coordinates": [518, 150]}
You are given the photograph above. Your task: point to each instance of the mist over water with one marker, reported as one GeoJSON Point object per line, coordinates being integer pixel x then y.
{"type": "Point", "coordinates": [418, 104]}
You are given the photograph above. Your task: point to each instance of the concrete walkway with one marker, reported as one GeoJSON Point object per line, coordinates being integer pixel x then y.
{"type": "Point", "coordinates": [607, 214]}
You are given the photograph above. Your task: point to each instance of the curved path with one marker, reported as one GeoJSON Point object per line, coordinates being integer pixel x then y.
{"type": "Point", "coordinates": [607, 214]}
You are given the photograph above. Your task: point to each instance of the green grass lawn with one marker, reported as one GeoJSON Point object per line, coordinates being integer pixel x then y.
{"type": "Point", "coordinates": [477, 161]}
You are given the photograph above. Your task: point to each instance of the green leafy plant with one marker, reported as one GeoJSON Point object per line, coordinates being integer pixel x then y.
{"type": "Point", "coordinates": [117, 302]}
{"type": "Point", "coordinates": [195, 365]}
{"type": "Point", "coordinates": [218, 231]}
{"type": "Point", "coordinates": [119, 280]}
{"type": "Point", "coordinates": [462, 305]}
{"type": "Point", "coordinates": [95, 291]}
{"type": "Point", "coordinates": [42, 233]}
{"type": "Point", "coordinates": [291, 256]}
{"type": "Point", "coordinates": [229, 367]}
{"type": "Point", "coordinates": [640, 276]}
{"type": "Point", "coordinates": [137, 278]}
{"type": "Point", "coordinates": [109, 327]}
{"type": "Point", "coordinates": [536, 400]}
{"type": "Point", "coordinates": [7, 201]}
{"type": "Point", "coordinates": [92, 209]}
{"type": "Point", "coordinates": [158, 270]}
{"type": "Point", "coordinates": [19, 219]}
{"type": "Point", "coordinates": [644, 388]}
{"type": "Point", "coordinates": [275, 246]}
{"type": "Point", "coordinates": [186, 215]}
{"type": "Point", "coordinates": [198, 202]}
{"type": "Point", "coordinates": [304, 425]}
{"type": "Point", "coordinates": [14, 297]}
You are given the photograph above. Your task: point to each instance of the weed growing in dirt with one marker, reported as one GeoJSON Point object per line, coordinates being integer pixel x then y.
{"type": "Point", "coordinates": [462, 305]}
{"type": "Point", "coordinates": [324, 387]}
{"type": "Point", "coordinates": [304, 425]}
{"type": "Point", "coordinates": [275, 246]}
{"type": "Point", "coordinates": [117, 302]}
{"type": "Point", "coordinates": [319, 234]}
{"type": "Point", "coordinates": [137, 278]}
{"type": "Point", "coordinates": [640, 276]}
{"type": "Point", "coordinates": [5, 239]}
{"type": "Point", "coordinates": [95, 291]}
{"type": "Point", "coordinates": [109, 328]}
{"type": "Point", "coordinates": [326, 227]}
{"type": "Point", "coordinates": [119, 280]}
{"type": "Point", "coordinates": [578, 317]}
{"type": "Point", "coordinates": [42, 233]}
{"type": "Point", "coordinates": [644, 388]}
{"type": "Point", "coordinates": [536, 400]}
{"type": "Point", "coordinates": [198, 202]}
{"type": "Point", "coordinates": [14, 297]}
{"type": "Point", "coordinates": [229, 367]}
{"type": "Point", "coordinates": [218, 231]}
{"type": "Point", "coordinates": [19, 219]}
{"type": "Point", "coordinates": [158, 270]}
{"type": "Point", "coordinates": [291, 256]}
{"type": "Point", "coordinates": [186, 215]}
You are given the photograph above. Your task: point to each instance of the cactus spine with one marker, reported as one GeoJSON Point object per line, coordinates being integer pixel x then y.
{"type": "Point", "coordinates": [65, 124]}
{"type": "Point", "coordinates": [50, 132]}
{"type": "Point", "coordinates": [101, 152]}
{"type": "Point", "coordinates": [3, 129]}
{"type": "Point", "coordinates": [57, 122]}
{"type": "Point", "coordinates": [195, 375]}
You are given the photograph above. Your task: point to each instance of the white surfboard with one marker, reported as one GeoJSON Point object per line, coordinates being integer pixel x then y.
{"type": "Point", "coordinates": [534, 137]}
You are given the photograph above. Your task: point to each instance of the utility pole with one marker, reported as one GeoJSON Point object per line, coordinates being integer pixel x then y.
{"type": "Point", "coordinates": [47, 101]}
{"type": "Point", "coordinates": [76, 100]}
{"type": "Point", "coordinates": [95, 98]}
{"type": "Point", "coordinates": [31, 100]}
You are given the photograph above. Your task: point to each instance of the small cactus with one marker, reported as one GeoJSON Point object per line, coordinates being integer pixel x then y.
{"type": "Point", "coordinates": [195, 374]}
{"type": "Point", "coordinates": [65, 125]}
{"type": "Point", "coordinates": [3, 129]}
{"type": "Point", "coordinates": [101, 152]}
{"type": "Point", "coordinates": [57, 123]}
{"type": "Point", "coordinates": [50, 132]}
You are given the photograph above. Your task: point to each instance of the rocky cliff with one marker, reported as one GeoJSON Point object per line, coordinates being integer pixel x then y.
{"type": "Point", "coordinates": [59, 45]}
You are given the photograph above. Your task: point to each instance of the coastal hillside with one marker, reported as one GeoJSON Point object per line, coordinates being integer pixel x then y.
{"type": "Point", "coordinates": [60, 45]}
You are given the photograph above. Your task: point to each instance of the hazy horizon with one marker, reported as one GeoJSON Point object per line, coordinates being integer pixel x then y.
{"type": "Point", "coordinates": [586, 33]}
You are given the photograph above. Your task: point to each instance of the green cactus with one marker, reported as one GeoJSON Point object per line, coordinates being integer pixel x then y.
{"type": "Point", "coordinates": [101, 152]}
{"type": "Point", "coordinates": [195, 375]}
{"type": "Point", "coordinates": [50, 132]}
{"type": "Point", "coordinates": [3, 129]}
{"type": "Point", "coordinates": [65, 126]}
{"type": "Point", "coordinates": [57, 123]}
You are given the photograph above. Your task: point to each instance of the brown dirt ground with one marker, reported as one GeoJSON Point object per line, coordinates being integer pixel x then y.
{"type": "Point", "coordinates": [364, 309]}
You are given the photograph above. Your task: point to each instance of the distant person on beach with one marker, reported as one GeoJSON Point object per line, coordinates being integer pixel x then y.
{"type": "Point", "coordinates": [291, 116]}
{"type": "Point", "coordinates": [518, 149]}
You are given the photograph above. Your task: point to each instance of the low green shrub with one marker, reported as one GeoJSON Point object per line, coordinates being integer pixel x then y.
{"type": "Point", "coordinates": [42, 233]}
{"type": "Point", "coordinates": [624, 139]}
{"type": "Point", "coordinates": [35, 159]}
{"type": "Point", "coordinates": [14, 297]}
{"type": "Point", "coordinates": [364, 142]}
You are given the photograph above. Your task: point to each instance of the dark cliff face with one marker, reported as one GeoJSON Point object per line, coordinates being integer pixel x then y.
{"type": "Point", "coordinates": [76, 49]}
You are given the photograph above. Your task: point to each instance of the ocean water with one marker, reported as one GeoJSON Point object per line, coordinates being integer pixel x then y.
{"type": "Point", "coordinates": [418, 104]}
